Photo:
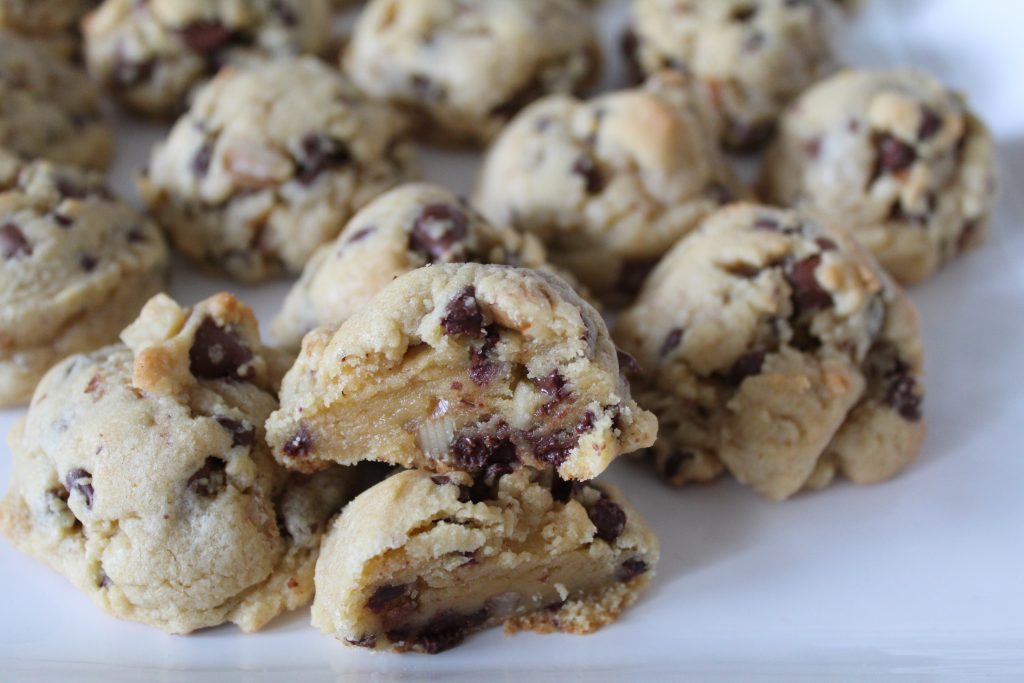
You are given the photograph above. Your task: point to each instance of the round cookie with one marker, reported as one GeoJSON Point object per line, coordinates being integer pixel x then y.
{"type": "Point", "coordinates": [50, 108]}
{"type": "Point", "coordinates": [749, 57]}
{"type": "Point", "coordinates": [609, 184]}
{"type": "Point", "coordinates": [467, 66]}
{"type": "Point", "coordinates": [470, 367]}
{"type": "Point", "coordinates": [779, 351]}
{"type": "Point", "coordinates": [269, 163]}
{"type": "Point", "coordinates": [151, 54]}
{"type": "Point", "coordinates": [75, 267]}
{"type": "Point", "coordinates": [419, 561]}
{"type": "Point", "coordinates": [53, 22]}
{"type": "Point", "coordinates": [895, 158]}
{"type": "Point", "coordinates": [141, 475]}
{"type": "Point", "coordinates": [403, 229]}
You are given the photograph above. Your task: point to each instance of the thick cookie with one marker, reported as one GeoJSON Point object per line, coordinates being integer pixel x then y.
{"type": "Point", "coordinates": [419, 561]}
{"type": "Point", "coordinates": [608, 184]}
{"type": "Point", "coordinates": [403, 229]}
{"type": "Point", "coordinates": [467, 66]}
{"type": "Point", "coordinates": [462, 367]}
{"type": "Point", "coordinates": [50, 108]}
{"type": "Point", "coordinates": [151, 54]}
{"type": "Point", "coordinates": [53, 22]}
{"type": "Point", "coordinates": [749, 57]}
{"type": "Point", "coordinates": [141, 475]}
{"type": "Point", "coordinates": [779, 350]}
{"type": "Point", "coordinates": [269, 163]}
{"type": "Point", "coordinates": [895, 158]}
{"type": "Point", "coordinates": [76, 266]}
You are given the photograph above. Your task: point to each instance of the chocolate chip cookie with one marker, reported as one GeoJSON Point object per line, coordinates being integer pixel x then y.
{"type": "Point", "coordinates": [420, 561]}
{"type": "Point", "coordinates": [778, 350]}
{"type": "Point", "coordinates": [151, 54]}
{"type": "Point", "coordinates": [76, 266]}
{"type": "Point", "coordinates": [403, 229]}
{"type": "Point", "coordinates": [750, 57]}
{"type": "Point", "coordinates": [142, 476]}
{"type": "Point", "coordinates": [50, 108]}
{"type": "Point", "coordinates": [467, 66]}
{"type": "Point", "coordinates": [472, 367]}
{"type": "Point", "coordinates": [894, 157]}
{"type": "Point", "coordinates": [609, 184]}
{"type": "Point", "coordinates": [269, 163]}
{"type": "Point", "coordinates": [52, 22]}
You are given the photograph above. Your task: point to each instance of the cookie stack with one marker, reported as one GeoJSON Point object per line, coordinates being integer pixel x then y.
{"type": "Point", "coordinates": [184, 474]}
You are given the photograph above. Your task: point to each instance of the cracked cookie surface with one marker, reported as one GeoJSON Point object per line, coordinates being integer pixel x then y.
{"type": "Point", "coordinates": [467, 66]}
{"type": "Point", "coordinates": [151, 54]}
{"type": "Point", "coordinates": [895, 158]}
{"type": "Point", "coordinates": [779, 351]}
{"type": "Point", "coordinates": [51, 109]}
{"type": "Point", "coordinates": [269, 163]}
{"type": "Point", "coordinates": [749, 57]}
{"type": "Point", "coordinates": [463, 367]}
{"type": "Point", "coordinates": [142, 476]}
{"type": "Point", "coordinates": [420, 561]}
{"type": "Point", "coordinates": [403, 229]}
{"type": "Point", "coordinates": [608, 184]}
{"type": "Point", "coordinates": [76, 266]}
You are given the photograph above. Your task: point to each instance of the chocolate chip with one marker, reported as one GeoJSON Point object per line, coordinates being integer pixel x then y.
{"type": "Point", "coordinates": [389, 597]}
{"type": "Point", "coordinates": [205, 36]}
{"type": "Point", "coordinates": [369, 640]}
{"type": "Point", "coordinates": [80, 480]}
{"type": "Point", "coordinates": [62, 220]}
{"type": "Point", "coordinates": [745, 137]}
{"type": "Point", "coordinates": [299, 444]}
{"type": "Point", "coordinates": [465, 492]}
{"type": "Point", "coordinates": [135, 235]}
{"type": "Point", "coordinates": [672, 340]}
{"type": "Point", "coordinates": [438, 231]}
{"type": "Point", "coordinates": [893, 155]}
{"type": "Point", "coordinates": [102, 580]}
{"type": "Point", "coordinates": [553, 385]}
{"type": "Point", "coordinates": [446, 630]}
{"type": "Point", "coordinates": [608, 519]}
{"type": "Point", "coordinates": [586, 422]}
{"type": "Point", "coordinates": [562, 490]}
{"type": "Point", "coordinates": [479, 452]}
{"type": "Point", "coordinates": [463, 315]}
{"type": "Point", "coordinates": [826, 244]}
{"type": "Point", "coordinates": [807, 292]}
{"type": "Point", "coordinates": [967, 233]}
{"type": "Point", "coordinates": [13, 242]}
{"type": "Point", "coordinates": [747, 365]}
{"type": "Point", "coordinates": [66, 187]}
{"type": "Point", "coordinates": [318, 153]}
{"type": "Point", "coordinates": [627, 364]}
{"type": "Point", "coordinates": [630, 46]}
{"type": "Point", "coordinates": [931, 123]}
{"type": "Point", "coordinates": [128, 72]}
{"type": "Point", "coordinates": [744, 13]}
{"type": "Point", "coordinates": [746, 271]}
{"type": "Point", "coordinates": [553, 448]}
{"type": "Point", "coordinates": [202, 158]}
{"type": "Point", "coordinates": [481, 368]}
{"type": "Point", "coordinates": [209, 479]}
{"type": "Point", "coordinates": [218, 353]}
{"type": "Point", "coordinates": [901, 394]}
{"type": "Point", "coordinates": [767, 223]}
{"type": "Point", "coordinates": [87, 262]}
{"type": "Point", "coordinates": [631, 569]}
{"type": "Point", "coordinates": [361, 234]}
{"type": "Point", "coordinates": [675, 461]}
{"type": "Point", "coordinates": [593, 179]}
{"type": "Point", "coordinates": [242, 434]}
{"type": "Point", "coordinates": [427, 89]}
{"type": "Point", "coordinates": [285, 14]}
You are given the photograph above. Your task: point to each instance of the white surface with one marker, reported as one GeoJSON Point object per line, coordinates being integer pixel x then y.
{"type": "Point", "coordinates": [919, 578]}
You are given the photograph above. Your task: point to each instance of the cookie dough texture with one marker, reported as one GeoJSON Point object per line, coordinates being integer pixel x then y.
{"type": "Point", "coordinates": [779, 351]}
{"type": "Point", "coordinates": [141, 474]}
{"type": "Point", "coordinates": [462, 367]}
{"type": "Point", "coordinates": [420, 560]}
{"type": "Point", "coordinates": [76, 266]}
{"type": "Point", "coordinates": [52, 22]}
{"type": "Point", "coordinates": [749, 57]}
{"type": "Point", "coordinates": [50, 108]}
{"type": "Point", "coordinates": [403, 229]}
{"type": "Point", "coordinates": [269, 163]}
{"type": "Point", "coordinates": [895, 158]}
{"type": "Point", "coordinates": [151, 54]}
{"type": "Point", "coordinates": [609, 184]}
{"type": "Point", "coordinates": [467, 66]}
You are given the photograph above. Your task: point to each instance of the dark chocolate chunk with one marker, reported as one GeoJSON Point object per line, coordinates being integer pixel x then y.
{"type": "Point", "coordinates": [203, 157]}
{"type": "Point", "coordinates": [206, 36]}
{"type": "Point", "coordinates": [893, 155]}
{"type": "Point", "coordinates": [439, 231]}
{"type": "Point", "coordinates": [608, 519]}
{"type": "Point", "coordinates": [361, 234]}
{"type": "Point", "coordinates": [593, 179]}
{"type": "Point", "coordinates": [388, 597]}
{"type": "Point", "coordinates": [901, 394]}
{"type": "Point", "coordinates": [299, 444]}
{"type": "Point", "coordinates": [674, 463]}
{"type": "Point", "coordinates": [586, 423]}
{"type": "Point", "coordinates": [627, 364]}
{"type": "Point", "coordinates": [631, 569]}
{"type": "Point", "coordinates": [12, 242]}
{"type": "Point", "coordinates": [747, 365]}
{"type": "Point", "coordinates": [218, 353]}
{"type": "Point", "coordinates": [463, 315]}
{"type": "Point", "coordinates": [931, 123]}
{"type": "Point", "coordinates": [807, 294]}
{"type": "Point", "coordinates": [242, 434]}
{"type": "Point", "coordinates": [553, 448]}
{"type": "Point", "coordinates": [318, 153]}
{"type": "Point", "coordinates": [209, 479]}
{"type": "Point", "coordinates": [87, 262]}
{"type": "Point", "coordinates": [369, 640]}
{"type": "Point", "coordinates": [80, 480]}
{"type": "Point", "coordinates": [479, 452]}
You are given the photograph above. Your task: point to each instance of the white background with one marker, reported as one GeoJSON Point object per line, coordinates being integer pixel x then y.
{"type": "Point", "coordinates": [918, 578]}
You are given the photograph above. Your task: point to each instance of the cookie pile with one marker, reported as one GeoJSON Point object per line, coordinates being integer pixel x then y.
{"type": "Point", "coordinates": [184, 474]}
